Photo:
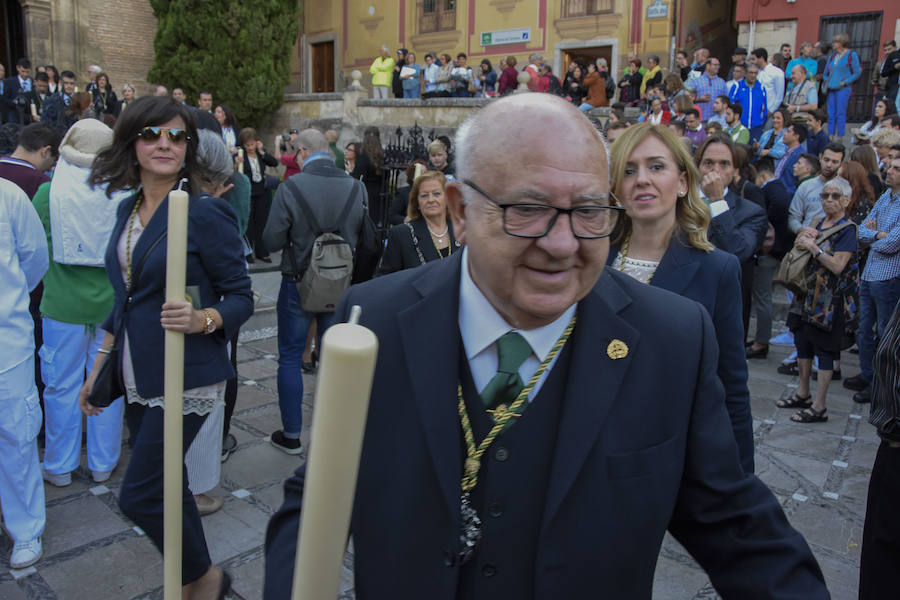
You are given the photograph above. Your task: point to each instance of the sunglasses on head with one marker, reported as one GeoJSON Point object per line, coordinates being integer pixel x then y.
{"type": "Point", "coordinates": [176, 136]}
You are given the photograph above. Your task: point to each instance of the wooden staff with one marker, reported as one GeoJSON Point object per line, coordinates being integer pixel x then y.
{"type": "Point", "coordinates": [173, 460]}
{"type": "Point", "coordinates": [344, 383]}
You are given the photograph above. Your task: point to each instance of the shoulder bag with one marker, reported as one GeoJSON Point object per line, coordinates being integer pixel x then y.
{"type": "Point", "coordinates": [108, 384]}
{"type": "Point", "coordinates": [792, 270]}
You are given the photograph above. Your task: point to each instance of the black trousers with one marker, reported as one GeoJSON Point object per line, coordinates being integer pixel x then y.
{"type": "Point", "coordinates": [747, 268]}
{"type": "Point", "coordinates": [881, 532]}
{"type": "Point", "coordinates": [141, 496]}
{"type": "Point", "coordinates": [231, 389]}
{"type": "Point", "coordinates": [259, 214]}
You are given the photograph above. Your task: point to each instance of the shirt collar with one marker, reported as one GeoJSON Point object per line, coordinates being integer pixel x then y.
{"type": "Point", "coordinates": [17, 161]}
{"type": "Point", "coordinates": [319, 156]}
{"type": "Point", "coordinates": [481, 325]}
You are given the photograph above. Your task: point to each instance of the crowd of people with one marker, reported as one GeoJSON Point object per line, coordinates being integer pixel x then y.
{"type": "Point", "coordinates": [715, 193]}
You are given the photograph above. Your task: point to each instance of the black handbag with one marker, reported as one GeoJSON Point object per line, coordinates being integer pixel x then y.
{"type": "Point", "coordinates": [108, 384]}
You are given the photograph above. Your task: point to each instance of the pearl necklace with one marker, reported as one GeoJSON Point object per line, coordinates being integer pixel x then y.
{"type": "Point", "coordinates": [439, 236]}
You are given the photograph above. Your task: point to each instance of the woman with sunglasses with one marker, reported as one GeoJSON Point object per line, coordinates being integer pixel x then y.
{"type": "Point", "coordinates": [817, 318]}
{"type": "Point", "coordinates": [154, 147]}
{"type": "Point", "coordinates": [661, 241]}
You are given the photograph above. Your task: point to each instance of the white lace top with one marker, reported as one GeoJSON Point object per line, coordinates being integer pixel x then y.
{"type": "Point", "coordinates": [642, 270]}
{"type": "Point", "coordinates": [201, 400]}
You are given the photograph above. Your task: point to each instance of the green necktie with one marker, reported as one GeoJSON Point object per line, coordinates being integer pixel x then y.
{"type": "Point", "coordinates": [512, 350]}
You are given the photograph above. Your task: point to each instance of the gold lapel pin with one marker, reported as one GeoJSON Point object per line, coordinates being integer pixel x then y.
{"type": "Point", "coordinates": [617, 349]}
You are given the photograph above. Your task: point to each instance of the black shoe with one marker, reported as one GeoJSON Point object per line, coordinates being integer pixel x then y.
{"type": "Point", "coordinates": [835, 376]}
{"type": "Point", "coordinates": [761, 353]}
{"type": "Point", "coordinates": [265, 259]}
{"type": "Point", "coordinates": [225, 586]}
{"type": "Point", "coordinates": [250, 260]}
{"type": "Point", "coordinates": [856, 383]}
{"type": "Point", "coordinates": [788, 369]}
{"type": "Point", "coordinates": [853, 350]}
{"type": "Point", "coordinates": [229, 445]}
{"type": "Point", "coordinates": [285, 444]}
{"type": "Point", "coordinates": [863, 397]}
{"type": "Point", "coordinates": [308, 367]}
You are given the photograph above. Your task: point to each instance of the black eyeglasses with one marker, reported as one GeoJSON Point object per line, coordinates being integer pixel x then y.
{"type": "Point", "coordinates": [176, 136]}
{"type": "Point", "coordinates": [533, 220]}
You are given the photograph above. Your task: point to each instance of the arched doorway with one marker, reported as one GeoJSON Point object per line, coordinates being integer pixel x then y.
{"type": "Point", "coordinates": [12, 24]}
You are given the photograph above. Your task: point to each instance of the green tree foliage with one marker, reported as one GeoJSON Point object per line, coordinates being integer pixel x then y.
{"type": "Point", "coordinates": [238, 49]}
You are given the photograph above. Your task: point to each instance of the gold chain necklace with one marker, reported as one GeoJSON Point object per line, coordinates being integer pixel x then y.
{"type": "Point", "coordinates": [503, 419]}
{"type": "Point", "coordinates": [134, 211]}
{"type": "Point", "coordinates": [623, 252]}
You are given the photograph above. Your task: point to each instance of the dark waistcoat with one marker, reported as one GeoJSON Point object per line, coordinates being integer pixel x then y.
{"type": "Point", "coordinates": [511, 489]}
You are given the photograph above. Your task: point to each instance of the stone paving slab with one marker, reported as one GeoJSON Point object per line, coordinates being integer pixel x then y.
{"type": "Point", "coordinates": [93, 552]}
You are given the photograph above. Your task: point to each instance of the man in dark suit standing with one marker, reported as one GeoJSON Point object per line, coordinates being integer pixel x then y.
{"type": "Point", "coordinates": [608, 423]}
{"type": "Point", "coordinates": [56, 107]}
{"type": "Point", "coordinates": [14, 87]}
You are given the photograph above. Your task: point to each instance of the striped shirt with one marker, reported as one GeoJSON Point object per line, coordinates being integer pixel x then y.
{"type": "Point", "coordinates": [884, 254]}
{"type": "Point", "coordinates": [885, 415]}
{"type": "Point", "coordinates": [714, 86]}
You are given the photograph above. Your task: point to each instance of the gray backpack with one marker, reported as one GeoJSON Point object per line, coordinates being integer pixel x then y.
{"type": "Point", "coordinates": [330, 268]}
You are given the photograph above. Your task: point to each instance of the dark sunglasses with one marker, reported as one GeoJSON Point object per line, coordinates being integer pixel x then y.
{"type": "Point", "coordinates": [152, 134]}
{"type": "Point", "coordinates": [833, 195]}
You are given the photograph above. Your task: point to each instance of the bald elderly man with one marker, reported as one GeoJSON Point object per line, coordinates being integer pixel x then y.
{"type": "Point", "coordinates": [623, 436]}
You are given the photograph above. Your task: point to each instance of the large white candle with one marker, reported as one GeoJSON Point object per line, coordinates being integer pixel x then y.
{"type": "Point", "coordinates": [342, 401]}
{"type": "Point", "coordinates": [173, 461]}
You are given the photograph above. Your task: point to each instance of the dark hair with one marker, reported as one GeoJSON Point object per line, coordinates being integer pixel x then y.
{"type": "Point", "coordinates": [618, 106]}
{"type": "Point", "coordinates": [247, 134]}
{"type": "Point", "coordinates": [42, 77]}
{"type": "Point", "coordinates": [490, 67]}
{"type": "Point", "coordinates": [895, 147]}
{"type": "Point", "coordinates": [37, 135]}
{"type": "Point", "coordinates": [783, 46]}
{"type": "Point", "coordinates": [836, 147]}
{"type": "Point", "coordinates": [716, 138]}
{"type": "Point", "coordinates": [785, 117]}
{"type": "Point", "coordinates": [800, 131]}
{"type": "Point", "coordinates": [682, 52]}
{"type": "Point", "coordinates": [890, 109]}
{"type": "Point", "coordinates": [462, 55]}
{"type": "Point", "coordinates": [736, 108]}
{"type": "Point", "coordinates": [725, 100]}
{"type": "Point", "coordinates": [623, 124]}
{"type": "Point", "coordinates": [761, 53]}
{"type": "Point", "coordinates": [51, 69]}
{"type": "Point", "coordinates": [201, 92]}
{"type": "Point", "coordinates": [766, 165]}
{"type": "Point", "coordinates": [103, 74]}
{"type": "Point", "coordinates": [371, 147]}
{"type": "Point", "coordinates": [679, 125]}
{"type": "Point", "coordinates": [24, 63]}
{"type": "Point", "coordinates": [654, 58]}
{"type": "Point", "coordinates": [229, 116]}
{"type": "Point", "coordinates": [819, 115]}
{"type": "Point", "coordinates": [81, 101]}
{"type": "Point", "coordinates": [692, 112]}
{"type": "Point", "coordinates": [67, 75]}
{"type": "Point", "coordinates": [865, 155]}
{"type": "Point", "coordinates": [895, 120]}
{"type": "Point", "coordinates": [356, 147]}
{"type": "Point", "coordinates": [813, 161]}
{"type": "Point", "coordinates": [741, 159]}
{"type": "Point", "coordinates": [9, 137]}
{"type": "Point", "coordinates": [118, 166]}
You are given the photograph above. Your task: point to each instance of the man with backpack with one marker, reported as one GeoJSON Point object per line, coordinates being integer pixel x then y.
{"type": "Point", "coordinates": [317, 220]}
{"type": "Point", "coordinates": [549, 82]}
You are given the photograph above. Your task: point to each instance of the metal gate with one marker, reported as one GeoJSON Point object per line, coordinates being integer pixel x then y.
{"type": "Point", "coordinates": [864, 30]}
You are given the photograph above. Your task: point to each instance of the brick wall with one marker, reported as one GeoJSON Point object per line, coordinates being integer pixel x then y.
{"type": "Point", "coordinates": [119, 38]}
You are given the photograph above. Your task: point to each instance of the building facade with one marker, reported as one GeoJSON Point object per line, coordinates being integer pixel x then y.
{"type": "Point", "coordinates": [869, 23]}
{"type": "Point", "coordinates": [340, 36]}
{"type": "Point", "coordinates": [73, 34]}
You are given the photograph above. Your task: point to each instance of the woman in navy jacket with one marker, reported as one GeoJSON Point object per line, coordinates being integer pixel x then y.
{"type": "Point", "coordinates": [662, 241]}
{"type": "Point", "coordinates": [155, 146]}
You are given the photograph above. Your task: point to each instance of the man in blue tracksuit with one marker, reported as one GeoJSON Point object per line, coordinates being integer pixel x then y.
{"type": "Point", "coordinates": [751, 95]}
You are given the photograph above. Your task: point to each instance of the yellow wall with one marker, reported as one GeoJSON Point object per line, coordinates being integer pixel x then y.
{"type": "Point", "coordinates": [368, 24]}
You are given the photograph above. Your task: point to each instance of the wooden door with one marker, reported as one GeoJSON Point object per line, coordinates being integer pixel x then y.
{"type": "Point", "coordinates": [323, 67]}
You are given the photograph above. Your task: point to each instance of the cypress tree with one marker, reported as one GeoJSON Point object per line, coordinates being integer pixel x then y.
{"type": "Point", "coordinates": [238, 49]}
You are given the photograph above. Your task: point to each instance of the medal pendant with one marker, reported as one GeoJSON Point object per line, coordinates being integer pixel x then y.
{"type": "Point", "coordinates": [471, 529]}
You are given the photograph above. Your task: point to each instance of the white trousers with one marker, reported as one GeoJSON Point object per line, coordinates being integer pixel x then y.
{"type": "Point", "coordinates": [381, 92]}
{"type": "Point", "coordinates": [21, 484]}
{"type": "Point", "coordinates": [204, 457]}
{"type": "Point", "coordinates": [67, 354]}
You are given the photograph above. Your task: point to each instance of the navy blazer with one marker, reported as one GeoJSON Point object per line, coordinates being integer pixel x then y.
{"type": "Point", "coordinates": [714, 280]}
{"type": "Point", "coordinates": [215, 264]}
{"type": "Point", "coordinates": [644, 445]}
{"type": "Point", "coordinates": [9, 99]}
{"type": "Point", "coordinates": [741, 229]}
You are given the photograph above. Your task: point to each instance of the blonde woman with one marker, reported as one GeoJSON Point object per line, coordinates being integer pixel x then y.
{"type": "Point", "coordinates": [661, 241]}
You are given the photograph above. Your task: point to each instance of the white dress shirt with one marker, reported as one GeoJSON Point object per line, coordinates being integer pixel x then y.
{"type": "Point", "coordinates": [23, 262]}
{"type": "Point", "coordinates": [481, 326]}
{"type": "Point", "coordinates": [772, 78]}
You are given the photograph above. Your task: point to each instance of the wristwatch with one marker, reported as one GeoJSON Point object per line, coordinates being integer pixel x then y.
{"type": "Point", "coordinates": [819, 253]}
{"type": "Point", "coordinates": [210, 323]}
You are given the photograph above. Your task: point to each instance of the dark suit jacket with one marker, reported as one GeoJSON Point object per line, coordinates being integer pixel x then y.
{"type": "Point", "coordinates": [644, 445]}
{"type": "Point", "coordinates": [9, 99]}
{"type": "Point", "coordinates": [714, 280]}
{"type": "Point", "coordinates": [400, 252]}
{"type": "Point", "coordinates": [778, 201]}
{"type": "Point", "coordinates": [739, 230]}
{"type": "Point", "coordinates": [215, 264]}
{"type": "Point", "coordinates": [258, 188]}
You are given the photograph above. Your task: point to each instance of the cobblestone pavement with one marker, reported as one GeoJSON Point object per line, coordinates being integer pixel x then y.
{"type": "Point", "coordinates": [819, 473]}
